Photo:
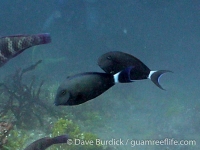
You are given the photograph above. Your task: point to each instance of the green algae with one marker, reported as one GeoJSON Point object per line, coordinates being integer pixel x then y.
{"type": "Point", "coordinates": [65, 126]}
{"type": "Point", "coordinates": [16, 140]}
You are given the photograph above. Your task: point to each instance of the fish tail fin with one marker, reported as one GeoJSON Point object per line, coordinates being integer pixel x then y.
{"type": "Point", "coordinates": [155, 77]}
{"type": "Point", "coordinates": [123, 76]}
{"type": "Point", "coordinates": [42, 38]}
{"type": "Point", "coordinates": [60, 139]}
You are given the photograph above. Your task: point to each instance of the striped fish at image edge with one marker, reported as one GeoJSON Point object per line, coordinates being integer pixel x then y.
{"type": "Point", "coordinates": [11, 46]}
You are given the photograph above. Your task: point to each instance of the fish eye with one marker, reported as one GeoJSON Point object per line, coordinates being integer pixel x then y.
{"type": "Point", "coordinates": [63, 92]}
{"type": "Point", "coordinates": [109, 58]}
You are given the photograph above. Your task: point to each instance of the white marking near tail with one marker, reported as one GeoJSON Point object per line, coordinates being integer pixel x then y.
{"type": "Point", "coordinates": [116, 76]}
{"type": "Point", "coordinates": [151, 72]}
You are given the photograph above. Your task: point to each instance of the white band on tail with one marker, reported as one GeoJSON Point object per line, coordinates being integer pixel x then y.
{"type": "Point", "coordinates": [116, 76]}
{"type": "Point", "coordinates": [151, 72]}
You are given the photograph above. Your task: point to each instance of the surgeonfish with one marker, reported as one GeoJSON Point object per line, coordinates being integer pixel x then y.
{"type": "Point", "coordinates": [46, 142]}
{"type": "Point", "coordinates": [11, 46]}
{"type": "Point", "coordinates": [114, 61]}
{"type": "Point", "coordinates": [83, 87]}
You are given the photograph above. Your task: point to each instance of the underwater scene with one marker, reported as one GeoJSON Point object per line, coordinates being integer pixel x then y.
{"type": "Point", "coordinates": [99, 75]}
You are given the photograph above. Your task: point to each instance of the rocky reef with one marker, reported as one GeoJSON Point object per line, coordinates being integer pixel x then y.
{"type": "Point", "coordinates": [24, 101]}
{"type": "Point", "coordinates": [5, 128]}
{"type": "Point", "coordinates": [24, 98]}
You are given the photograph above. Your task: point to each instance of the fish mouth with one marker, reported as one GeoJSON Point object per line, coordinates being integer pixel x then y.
{"type": "Point", "coordinates": [55, 103]}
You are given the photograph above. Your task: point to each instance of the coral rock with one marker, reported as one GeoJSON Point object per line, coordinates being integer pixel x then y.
{"type": "Point", "coordinates": [4, 131]}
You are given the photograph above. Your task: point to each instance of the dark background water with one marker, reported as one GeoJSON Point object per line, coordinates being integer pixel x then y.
{"type": "Point", "coordinates": [163, 34]}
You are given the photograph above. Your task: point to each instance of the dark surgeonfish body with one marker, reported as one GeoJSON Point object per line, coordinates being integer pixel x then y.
{"type": "Point", "coordinates": [46, 142]}
{"type": "Point", "coordinates": [113, 62]}
{"type": "Point", "coordinates": [11, 46]}
{"type": "Point", "coordinates": [82, 87]}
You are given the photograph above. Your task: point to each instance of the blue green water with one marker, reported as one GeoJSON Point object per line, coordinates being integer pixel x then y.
{"type": "Point", "coordinates": [163, 34]}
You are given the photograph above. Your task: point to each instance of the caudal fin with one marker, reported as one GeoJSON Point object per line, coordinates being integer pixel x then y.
{"type": "Point", "coordinates": [155, 77]}
{"type": "Point", "coordinates": [43, 38]}
{"type": "Point", "coordinates": [60, 139]}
